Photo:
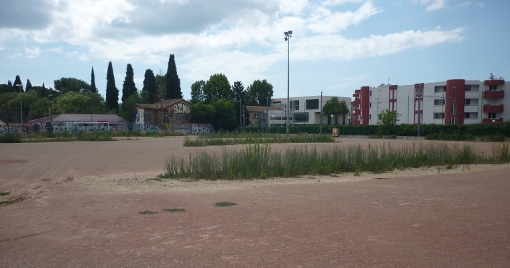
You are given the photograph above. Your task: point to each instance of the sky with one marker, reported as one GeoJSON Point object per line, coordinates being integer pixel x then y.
{"type": "Point", "coordinates": [337, 46]}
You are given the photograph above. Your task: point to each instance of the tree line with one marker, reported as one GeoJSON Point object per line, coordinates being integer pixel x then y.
{"type": "Point", "coordinates": [214, 101]}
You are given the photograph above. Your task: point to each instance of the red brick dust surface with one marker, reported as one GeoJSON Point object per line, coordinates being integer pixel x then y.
{"type": "Point", "coordinates": [79, 206]}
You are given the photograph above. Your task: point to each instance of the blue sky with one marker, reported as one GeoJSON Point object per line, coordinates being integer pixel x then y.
{"type": "Point", "coordinates": [337, 46]}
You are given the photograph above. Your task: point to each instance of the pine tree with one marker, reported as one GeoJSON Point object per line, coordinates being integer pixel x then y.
{"type": "Point", "coordinates": [173, 83]}
{"type": "Point", "coordinates": [129, 87]}
{"type": "Point", "coordinates": [112, 93]}
{"type": "Point", "coordinates": [93, 87]}
{"type": "Point", "coordinates": [150, 87]}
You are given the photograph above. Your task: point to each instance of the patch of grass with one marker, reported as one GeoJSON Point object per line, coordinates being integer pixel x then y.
{"type": "Point", "coordinates": [150, 212]}
{"type": "Point", "coordinates": [225, 204]}
{"type": "Point", "coordinates": [253, 138]}
{"type": "Point", "coordinates": [173, 210]}
{"type": "Point", "coordinates": [258, 161]}
{"type": "Point", "coordinates": [4, 193]}
{"type": "Point", "coordinates": [10, 138]}
{"type": "Point", "coordinates": [380, 178]}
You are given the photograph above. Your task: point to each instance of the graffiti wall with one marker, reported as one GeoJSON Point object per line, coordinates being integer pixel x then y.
{"type": "Point", "coordinates": [9, 129]}
{"type": "Point", "coordinates": [60, 126]}
{"type": "Point", "coordinates": [185, 129]}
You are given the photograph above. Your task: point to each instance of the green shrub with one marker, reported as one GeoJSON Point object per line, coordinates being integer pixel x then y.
{"type": "Point", "coordinates": [10, 138]}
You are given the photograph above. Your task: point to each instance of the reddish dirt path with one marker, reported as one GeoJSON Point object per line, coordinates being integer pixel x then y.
{"type": "Point", "coordinates": [83, 200]}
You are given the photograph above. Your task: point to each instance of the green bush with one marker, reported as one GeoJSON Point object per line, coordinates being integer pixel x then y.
{"type": "Point", "coordinates": [10, 138]}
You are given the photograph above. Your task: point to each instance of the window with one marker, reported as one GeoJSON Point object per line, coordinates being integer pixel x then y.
{"type": "Point", "coordinates": [454, 94]}
{"type": "Point", "coordinates": [453, 120]}
{"type": "Point", "coordinates": [439, 101]}
{"type": "Point", "coordinates": [294, 105]}
{"type": "Point", "coordinates": [438, 115]}
{"type": "Point", "coordinates": [492, 115]}
{"type": "Point", "coordinates": [468, 87]}
{"type": "Point", "coordinates": [256, 116]}
{"type": "Point", "coordinates": [471, 102]}
{"type": "Point", "coordinates": [418, 92]}
{"type": "Point", "coordinates": [454, 108]}
{"type": "Point", "coordinates": [439, 89]}
{"type": "Point", "coordinates": [301, 117]}
{"type": "Point", "coordinates": [312, 104]}
{"type": "Point", "coordinates": [471, 115]}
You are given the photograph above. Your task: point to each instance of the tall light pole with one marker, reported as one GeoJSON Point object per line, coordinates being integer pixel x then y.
{"type": "Point", "coordinates": [288, 35]}
{"type": "Point", "coordinates": [20, 103]}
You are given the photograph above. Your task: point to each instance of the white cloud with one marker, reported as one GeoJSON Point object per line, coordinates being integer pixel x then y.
{"type": "Point", "coordinates": [325, 22]}
{"type": "Point", "coordinates": [432, 5]}
{"type": "Point", "coordinates": [340, 48]}
{"type": "Point", "coordinates": [468, 4]}
{"type": "Point", "coordinates": [32, 52]}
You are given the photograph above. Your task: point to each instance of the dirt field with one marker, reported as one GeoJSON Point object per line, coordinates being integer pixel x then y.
{"type": "Point", "coordinates": [81, 204]}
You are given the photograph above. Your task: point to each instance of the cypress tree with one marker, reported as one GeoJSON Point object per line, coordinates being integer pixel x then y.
{"type": "Point", "coordinates": [173, 83]}
{"type": "Point", "coordinates": [150, 87]}
{"type": "Point", "coordinates": [129, 87]}
{"type": "Point", "coordinates": [17, 82]}
{"type": "Point", "coordinates": [28, 86]}
{"type": "Point", "coordinates": [93, 87]}
{"type": "Point", "coordinates": [112, 93]}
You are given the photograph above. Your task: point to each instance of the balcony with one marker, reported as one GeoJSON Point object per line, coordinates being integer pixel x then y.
{"type": "Point", "coordinates": [493, 82]}
{"type": "Point", "coordinates": [492, 120]}
{"type": "Point", "coordinates": [487, 108]}
{"type": "Point", "coordinates": [491, 94]}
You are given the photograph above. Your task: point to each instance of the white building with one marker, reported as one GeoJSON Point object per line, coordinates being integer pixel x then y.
{"type": "Point", "coordinates": [455, 101]}
{"type": "Point", "coordinates": [304, 111]}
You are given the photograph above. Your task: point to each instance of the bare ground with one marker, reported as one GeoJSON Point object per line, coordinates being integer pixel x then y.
{"type": "Point", "coordinates": [79, 205]}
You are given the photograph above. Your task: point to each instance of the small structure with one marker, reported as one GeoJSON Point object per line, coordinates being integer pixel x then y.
{"type": "Point", "coordinates": [161, 115]}
{"type": "Point", "coordinates": [78, 122]}
{"type": "Point", "coordinates": [263, 116]}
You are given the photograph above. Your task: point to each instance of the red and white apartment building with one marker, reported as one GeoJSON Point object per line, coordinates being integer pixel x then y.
{"type": "Point", "coordinates": [455, 101]}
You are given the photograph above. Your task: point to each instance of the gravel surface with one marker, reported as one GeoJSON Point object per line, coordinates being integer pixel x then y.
{"type": "Point", "coordinates": [79, 205]}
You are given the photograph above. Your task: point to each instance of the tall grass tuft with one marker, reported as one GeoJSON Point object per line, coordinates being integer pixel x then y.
{"type": "Point", "coordinates": [258, 161]}
{"type": "Point", "coordinates": [253, 138]}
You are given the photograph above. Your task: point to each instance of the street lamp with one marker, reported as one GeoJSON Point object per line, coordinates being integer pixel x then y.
{"type": "Point", "coordinates": [288, 35]}
{"type": "Point", "coordinates": [20, 103]}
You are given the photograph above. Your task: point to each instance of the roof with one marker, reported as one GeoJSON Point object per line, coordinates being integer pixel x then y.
{"type": "Point", "coordinates": [160, 104]}
{"type": "Point", "coordinates": [112, 118]}
{"type": "Point", "coordinates": [259, 109]}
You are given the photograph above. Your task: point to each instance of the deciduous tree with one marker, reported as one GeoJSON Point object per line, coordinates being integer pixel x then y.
{"type": "Point", "coordinates": [197, 91]}
{"type": "Point", "coordinates": [217, 87]}
{"type": "Point", "coordinates": [259, 92]}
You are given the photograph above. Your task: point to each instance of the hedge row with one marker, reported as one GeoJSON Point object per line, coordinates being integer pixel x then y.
{"type": "Point", "coordinates": [489, 131]}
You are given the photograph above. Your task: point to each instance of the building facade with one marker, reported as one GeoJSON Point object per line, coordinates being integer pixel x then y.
{"type": "Point", "coordinates": [305, 111]}
{"type": "Point", "coordinates": [455, 101]}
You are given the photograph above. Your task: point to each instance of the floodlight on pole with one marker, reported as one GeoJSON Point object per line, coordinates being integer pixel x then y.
{"type": "Point", "coordinates": [288, 35]}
